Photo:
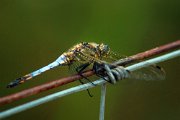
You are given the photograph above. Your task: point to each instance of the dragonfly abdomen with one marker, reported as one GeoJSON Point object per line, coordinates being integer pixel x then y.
{"type": "Point", "coordinates": [60, 61]}
{"type": "Point", "coordinates": [31, 75]}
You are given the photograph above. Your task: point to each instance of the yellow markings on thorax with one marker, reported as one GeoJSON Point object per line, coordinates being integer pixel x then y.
{"type": "Point", "coordinates": [85, 52]}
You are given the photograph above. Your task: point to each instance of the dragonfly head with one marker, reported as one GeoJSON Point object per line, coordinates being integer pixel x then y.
{"type": "Point", "coordinates": [104, 49]}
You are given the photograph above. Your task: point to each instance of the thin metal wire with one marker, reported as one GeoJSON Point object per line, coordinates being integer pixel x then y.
{"type": "Point", "coordinates": [115, 74]}
{"type": "Point", "coordinates": [57, 95]}
{"type": "Point", "coordinates": [48, 98]}
{"type": "Point", "coordinates": [120, 73]}
{"type": "Point", "coordinates": [57, 83]}
{"type": "Point", "coordinates": [162, 58]}
{"type": "Point", "coordinates": [102, 101]}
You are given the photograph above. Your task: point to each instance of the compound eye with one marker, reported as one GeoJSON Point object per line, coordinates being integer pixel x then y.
{"type": "Point", "coordinates": [106, 47]}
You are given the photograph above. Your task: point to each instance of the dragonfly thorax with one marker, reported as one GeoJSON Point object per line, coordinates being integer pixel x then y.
{"type": "Point", "coordinates": [86, 51]}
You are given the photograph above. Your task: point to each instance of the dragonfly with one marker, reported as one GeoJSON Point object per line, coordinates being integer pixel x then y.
{"type": "Point", "coordinates": [90, 54]}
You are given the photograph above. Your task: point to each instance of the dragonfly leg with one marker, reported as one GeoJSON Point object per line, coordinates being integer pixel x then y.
{"type": "Point", "coordinates": [103, 77]}
{"type": "Point", "coordinates": [89, 93]}
{"type": "Point", "coordinates": [99, 71]}
{"type": "Point", "coordinates": [80, 69]}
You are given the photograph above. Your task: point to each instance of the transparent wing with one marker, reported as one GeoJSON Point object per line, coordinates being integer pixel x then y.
{"type": "Point", "coordinates": [112, 57]}
{"type": "Point", "coordinates": [73, 66]}
{"type": "Point", "coordinates": [152, 72]}
{"type": "Point", "coordinates": [148, 73]}
{"type": "Point", "coordinates": [80, 59]}
{"type": "Point", "coordinates": [88, 54]}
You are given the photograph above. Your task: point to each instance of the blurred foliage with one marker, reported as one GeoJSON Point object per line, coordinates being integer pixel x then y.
{"type": "Point", "coordinates": [34, 33]}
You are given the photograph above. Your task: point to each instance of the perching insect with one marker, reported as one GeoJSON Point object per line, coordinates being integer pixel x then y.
{"type": "Point", "coordinates": [84, 55]}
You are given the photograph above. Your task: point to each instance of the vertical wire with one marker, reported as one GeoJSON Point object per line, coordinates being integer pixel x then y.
{"type": "Point", "coordinates": [102, 101]}
{"type": "Point", "coordinates": [72, 90]}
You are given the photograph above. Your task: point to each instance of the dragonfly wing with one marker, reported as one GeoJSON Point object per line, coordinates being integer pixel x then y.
{"type": "Point", "coordinates": [112, 57]}
{"type": "Point", "coordinates": [73, 67]}
{"type": "Point", "coordinates": [152, 72]}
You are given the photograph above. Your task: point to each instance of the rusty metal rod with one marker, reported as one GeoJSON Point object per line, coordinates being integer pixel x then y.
{"type": "Point", "coordinates": [149, 53]}
{"type": "Point", "coordinates": [66, 80]}
{"type": "Point", "coordinates": [86, 86]}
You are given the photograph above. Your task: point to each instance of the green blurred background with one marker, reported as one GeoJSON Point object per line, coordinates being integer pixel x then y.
{"type": "Point", "coordinates": [34, 33]}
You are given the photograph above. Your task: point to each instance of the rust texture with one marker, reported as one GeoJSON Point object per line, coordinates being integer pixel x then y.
{"type": "Point", "coordinates": [41, 88]}
{"type": "Point", "coordinates": [66, 80]}
{"type": "Point", "coordinates": [149, 53]}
